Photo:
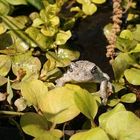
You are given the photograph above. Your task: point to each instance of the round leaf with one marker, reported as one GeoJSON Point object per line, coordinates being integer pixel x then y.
{"type": "Point", "coordinates": [92, 134]}
{"type": "Point", "coordinates": [3, 80]}
{"type": "Point", "coordinates": [119, 126]}
{"type": "Point", "coordinates": [5, 64]}
{"type": "Point", "coordinates": [126, 34]}
{"type": "Point", "coordinates": [98, 1]}
{"type": "Point", "coordinates": [5, 8]}
{"type": "Point", "coordinates": [58, 105]}
{"type": "Point", "coordinates": [113, 102]}
{"type": "Point", "coordinates": [89, 9]}
{"type": "Point", "coordinates": [62, 37]}
{"type": "Point", "coordinates": [128, 98]}
{"type": "Point", "coordinates": [33, 124]}
{"type": "Point", "coordinates": [132, 76]}
{"type": "Point", "coordinates": [103, 119]}
{"type": "Point", "coordinates": [85, 101]}
{"type": "Point", "coordinates": [33, 91]}
{"type": "Point", "coordinates": [121, 63]}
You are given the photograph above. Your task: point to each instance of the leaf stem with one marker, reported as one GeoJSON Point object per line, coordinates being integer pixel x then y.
{"type": "Point", "coordinates": [11, 113]}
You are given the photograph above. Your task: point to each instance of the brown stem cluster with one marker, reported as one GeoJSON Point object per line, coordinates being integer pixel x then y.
{"type": "Point", "coordinates": [117, 15]}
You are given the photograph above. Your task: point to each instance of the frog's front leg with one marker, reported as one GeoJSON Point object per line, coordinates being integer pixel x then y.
{"type": "Point", "coordinates": [105, 89]}
{"type": "Point", "coordinates": [64, 79]}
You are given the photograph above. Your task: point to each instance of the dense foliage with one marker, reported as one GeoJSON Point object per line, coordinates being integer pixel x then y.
{"type": "Point", "coordinates": [35, 51]}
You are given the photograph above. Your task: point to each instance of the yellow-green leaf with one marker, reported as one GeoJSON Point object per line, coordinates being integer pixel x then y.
{"type": "Point", "coordinates": [128, 98]}
{"type": "Point", "coordinates": [59, 106]}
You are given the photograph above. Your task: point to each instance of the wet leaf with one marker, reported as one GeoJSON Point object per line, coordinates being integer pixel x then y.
{"type": "Point", "coordinates": [9, 92]}
{"type": "Point", "coordinates": [132, 76]}
{"type": "Point", "coordinates": [5, 64]}
{"type": "Point", "coordinates": [98, 1]}
{"type": "Point", "coordinates": [62, 37]}
{"type": "Point", "coordinates": [89, 9]}
{"type": "Point", "coordinates": [128, 98]}
{"type": "Point", "coordinates": [17, 2]}
{"type": "Point", "coordinates": [68, 53]}
{"type": "Point", "coordinates": [60, 61]}
{"type": "Point", "coordinates": [92, 134]}
{"type": "Point", "coordinates": [31, 65]}
{"type": "Point", "coordinates": [121, 63]}
{"type": "Point", "coordinates": [59, 106]}
{"type": "Point", "coordinates": [33, 91]}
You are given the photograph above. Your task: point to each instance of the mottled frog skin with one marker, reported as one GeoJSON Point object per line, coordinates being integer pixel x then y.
{"type": "Point", "coordinates": [85, 71]}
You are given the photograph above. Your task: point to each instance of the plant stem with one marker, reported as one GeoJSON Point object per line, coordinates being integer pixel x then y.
{"type": "Point", "coordinates": [11, 113]}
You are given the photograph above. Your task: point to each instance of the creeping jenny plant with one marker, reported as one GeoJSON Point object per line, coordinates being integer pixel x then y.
{"type": "Point", "coordinates": [34, 51]}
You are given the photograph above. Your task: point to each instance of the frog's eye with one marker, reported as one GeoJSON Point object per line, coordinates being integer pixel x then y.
{"type": "Point", "coordinates": [93, 69]}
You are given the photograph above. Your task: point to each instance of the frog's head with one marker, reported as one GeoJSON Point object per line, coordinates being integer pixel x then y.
{"type": "Point", "coordinates": [85, 71]}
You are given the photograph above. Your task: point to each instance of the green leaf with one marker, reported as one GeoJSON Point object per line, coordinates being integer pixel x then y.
{"type": "Point", "coordinates": [3, 28]}
{"type": "Point", "coordinates": [136, 33]}
{"type": "Point", "coordinates": [59, 106]}
{"type": "Point", "coordinates": [62, 37]}
{"type": "Point", "coordinates": [9, 92]}
{"type": "Point", "coordinates": [5, 7]}
{"type": "Point", "coordinates": [17, 2]}
{"type": "Point", "coordinates": [33, 91]}
{"type": "Point", "coordinates": [98, 1]}
{"type": "Point", "coordinates": [92, 134]}
{"type": "Point", "coordinates": [126, 34]}
{"type": "Point", "coordinates": [128, 98]}
{"type": "Point", "coordinates": [113, 102]}
{"type": "Point", "coordinates": [89, 9]}
{"type": "Point", "coordinates": [68, 53]}
{"type": "Point", "coordinates": [85, 101]}
{"type": "Point", "coordinates": [5, 64]}
{"type": "Point", "coordinates": [136, 49]}
{"type": "Point", "coordinates": [31, 65]}
{"type": "Point", "coordinates": [107, 30]}
{"type": "Point", "coordinates": [36, 3]}
{"type": "Point", "coordinates": [60, 62]}
{"type": "Point", "coordinates": [118, 86]}
{"type": "Point", "coordinates": [103, 119]}
{"type": "Point", "coordinates": [34, 124]}
{"type": "Point", "coordinates": [37, 126]}
{"type": "Point", "coordinates": [83, 1]}
{"type": "Point", "coordinates": [125, 45]}
{"type": "Point", "coordinates": [121, 63]}
{"type": "Point", "coordinates": [43, 41]}
{"type": "Point", "coordinates": [3, 80]}
{"type": "Point", "coordinates": [119, 126]}
{"type": "Point", "coordinates": [132, 76]}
